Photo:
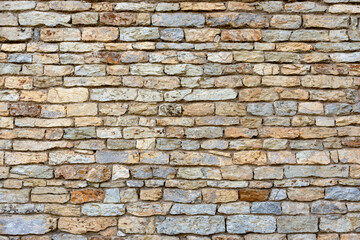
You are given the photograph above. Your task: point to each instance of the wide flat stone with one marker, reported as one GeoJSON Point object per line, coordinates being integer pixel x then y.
{"type": "Point", "coordinates": [201, 225]}
{"type": "Point", "coordinates": [23, 225]}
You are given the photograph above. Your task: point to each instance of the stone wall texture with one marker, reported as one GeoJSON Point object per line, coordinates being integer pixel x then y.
{"type": "Point", "coordinates": [180, 120]}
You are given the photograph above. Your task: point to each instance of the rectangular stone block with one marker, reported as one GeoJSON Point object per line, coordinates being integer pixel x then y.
{"type": "Point", "coordinates": [201, 225]}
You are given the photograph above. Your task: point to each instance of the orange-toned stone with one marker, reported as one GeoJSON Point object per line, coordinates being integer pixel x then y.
{"type": "Point", "coordinates": [241, 35]}
{"type": "Point", "coordinates": [87, 195]}
{"type": "Point", "coordinates": [253, 195]}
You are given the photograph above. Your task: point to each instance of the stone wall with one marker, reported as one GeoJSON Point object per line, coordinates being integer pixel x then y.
{"type": "Point", "coordinates": [222, 120]}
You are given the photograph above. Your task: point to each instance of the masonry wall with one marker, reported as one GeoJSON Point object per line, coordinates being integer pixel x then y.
{"type": "Point", "coordinates": [182, 120]}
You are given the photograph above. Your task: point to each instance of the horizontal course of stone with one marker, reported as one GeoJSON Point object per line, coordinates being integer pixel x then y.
{"type": "Point", "coordinates": [180, 120]}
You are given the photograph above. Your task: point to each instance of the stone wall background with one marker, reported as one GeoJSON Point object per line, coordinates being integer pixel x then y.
{"type": "Point", "coordinates": [221, 120]}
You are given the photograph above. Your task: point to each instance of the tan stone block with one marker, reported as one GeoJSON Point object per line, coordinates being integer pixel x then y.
{"type": "Point", "coordinates": [63, 95]}
{"type": "Point", "coordinates": [237, 173]}
{"type": "Point", "coordinates": [54, 70]}
{"type": "Point", "coordinates": [281, 81]}
{"type": "Point", "coordinates": [258, 94]}
{"type": "Point", "coordinates": [317, 132]}
{"type": "Point", "coordinates": [81, 109]}
{"type": "Point", "coordinates": [12, 183]}
{"type": "Point", "coordinates": [198, 109]}
{"type": "Point", "coordinates": [102, 34]}
{"type": "Point", "coordinates": [201, 6]}
{"type": "Point", "coordinates": [294, 47]}
{"type": "Point", "coordinates": [129, 224]}
{"type": "Point", "coordinates": [236, 132]}
{"type": "Point", "coordinates": [6, 122]}
{"type": "Point", "coordinates": [234, 6]}
{"type": "Point", "coordinates": [294, 94]}
{"type": "Point", "coordinates": [201, 35]}
{"type": "Point", "coordinates": [241, 35]}
{"type": "Point", "coordinates": [250, 157]}
{"type": "Point", "coordinates": [33, 96]}
{"type": "Point", "coordinates": [50, 198]}
{"type": "Point", "coordinates": [278, 132]}
{"type": "Point", "coordinates": [230, 109]}
{"type": "Point", "coordinates": [219, 195]}
{"type": "Point", "coordinates": [18, 82]}
{"type": "Point", "coordinates": [17, 158]}
{"type": "Point", "coordinates": [305, 194]}
{"type": "Point", "coordinates": [60, 34]}
{"type": "Point", "coordinates": [81, 225]}
{"type": "Point", "coordinates": [153, 194]}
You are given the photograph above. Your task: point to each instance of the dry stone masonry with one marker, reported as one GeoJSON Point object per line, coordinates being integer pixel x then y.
{"type": "Point", "coordinates": [180, 120]}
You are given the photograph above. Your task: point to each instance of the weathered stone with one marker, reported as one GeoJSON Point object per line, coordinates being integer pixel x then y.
{"type": "Point", "coordinates": [87, 195]}
{"type": "Point", "coordinates": [60, 35]}
{"type": "Point", "coordinates": [129, 224]}
{"type": "Point", "coordinates": [245, 223]}
{"type": "Point", "coordinates": [253, 195]}
{"type": "Point", "coordinates": [25, 109]}
{"type": "Point", "coordinates": [124, 6]}
{"type": "Point", "coordinates": [297, 224]}
{"type": "Point", "coordinates": [98, 173]}
{"type": "Point", "coordinates": [33, 171]}
{"type": "Point", "coordinates": [139, 33]}
{"type": "Point", "coordinates": [17, 158]}
{"type": "Point", "coordinates": [117, 19]}
{"type": "Point", "coordinates": [84, 18]}
{"type": "Point", "coordinates": [190, 209]}
{"type": "Point", "coordinates": [17, 5]}
{"type": "Point", "coordinates": [15, 34]}
{"type": "Point", "coordinates": [250, 157]}
{"type": "Point", "coordinates": [172, 34]}
{"type": "Point", "coordinates": [178, 19]}
{"type": "Point", "coordinates": [193, 158]}
{"type": "Point", "coordinates": [182, 196]}
{"type": "Point", "coordinates": [286, 21]}
{"type": "Point", "coordinates": [201, 225]}
{"type": "Point", "coordinates": [219, 196]}
{"type": "Point", "coordinates": [211, 95]}
{"type": "Point", "coordinates": [236, 20]}
{"type": "Point", "coordinates": [243, 35]}
{"type": "Point", "coordinates": [43, 18]}
{"type": "Point", "coordinates": [342, 193]}
{"type": "Point", "coordinates": [14, 196]}
{"type": "Point", "coordinates": [98, 209]}
{"type": "Point", "coordinates": [340, 223]}
{"type": "Point", "coordinates": [328, 207]}
{"type": "Point", "coordinates": [316, 171]}
{"type": "Point", "coordinates": [148, 209]}
{"type": "Point", "coordinates": [81, 225]}
{"type": "Point", "coordinates": [201, 35]}
{"type": "Point", "coordinates": [69, 5]}
{"type": "Point", "coordinates": [305, 194]}
{"type": "Point", "coordinates": [61, 157]}
{"type": "Point", "coordinates": [34, 224]}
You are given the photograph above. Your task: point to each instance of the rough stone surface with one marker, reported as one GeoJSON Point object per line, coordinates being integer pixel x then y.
{"type": "Point", "coordinates": [245, 223]}
{"type": "Point", "coordinates": [179, 120]}
{"type": "Point", "coordinates": [201, 225]}
{"type": "Point", "coordinates": [80, 225]}
{"type": "Point", "coordinates": [24, 225]}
